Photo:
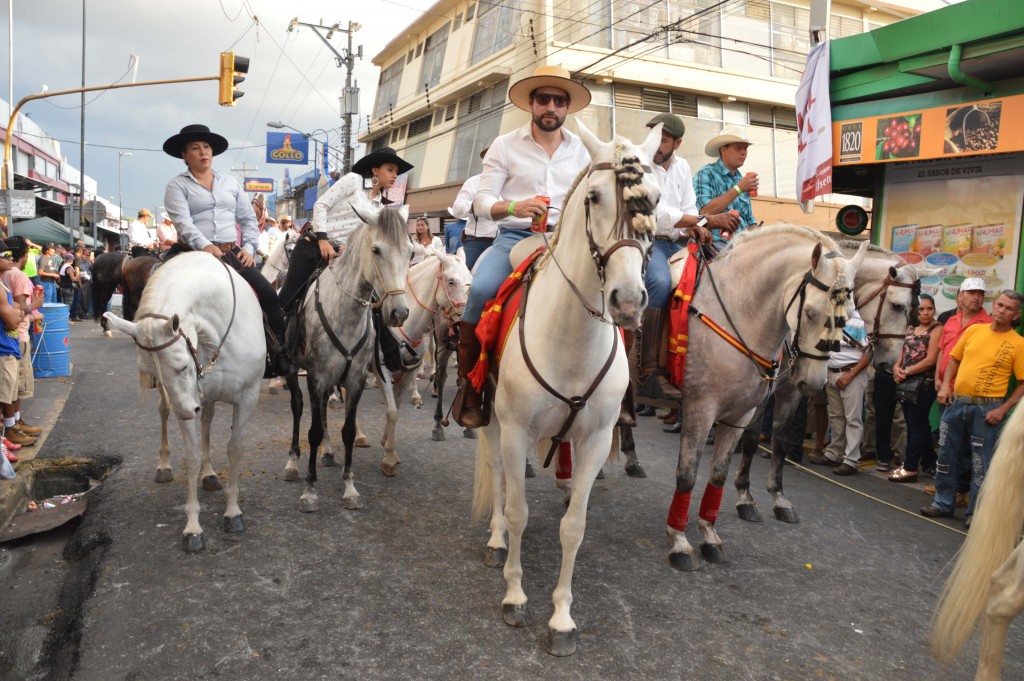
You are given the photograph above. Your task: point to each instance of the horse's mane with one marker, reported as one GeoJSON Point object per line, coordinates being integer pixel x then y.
{"type": "Point", "coordinates": [782, 228]}
{"type": "Point", "coordinates": [853, 245]}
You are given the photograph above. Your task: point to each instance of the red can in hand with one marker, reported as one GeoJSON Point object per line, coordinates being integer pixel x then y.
{"type": "Point", "coordinates": [540, 224]}
{"type": "Point", "coordinates": [753, 192]}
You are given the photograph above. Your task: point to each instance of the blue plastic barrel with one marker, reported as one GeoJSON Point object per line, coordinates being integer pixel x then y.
{"type": "Point", "coordinates": [51, 349]}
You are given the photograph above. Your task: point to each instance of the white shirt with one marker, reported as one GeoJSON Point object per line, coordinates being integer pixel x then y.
{"type": "Point", "coordinates": [420, 252]}
{"type": "Point", "coordinates": [462, 209]}
{"type": "Point", "coordinates": [517, 168]}
{"type": "Point", "coordinates": [677, 196]}
{"type": "Point", "coordinates": [848, 353]}
{"type": "Point", "coordinates": [332, 213]}
{"type": "Point", "coordinates": [138, 234]}
{"type": "Point", "coordinates": [268, 239]}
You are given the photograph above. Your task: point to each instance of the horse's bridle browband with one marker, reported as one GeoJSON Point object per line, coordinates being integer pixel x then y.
{"type": "Point", "coordinates": [200, 371]}
{"type": "Point", "coordinates": [874, 336]}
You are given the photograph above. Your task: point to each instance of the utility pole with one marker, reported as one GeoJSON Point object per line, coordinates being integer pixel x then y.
{"type": "Point", "coordinates": [350, 96]}
{"type": "Point", "coordinates": [244, 169]}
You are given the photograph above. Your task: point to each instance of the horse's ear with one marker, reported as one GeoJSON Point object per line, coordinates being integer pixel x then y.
{"type": "Point", "coordinates": [651, 144]}
{"type": "Point", "coordinates": [815, 256]}
{"type": "Point", "coordinates": [175, 324]}
{"type": "Point", "coordinates": [122, 325]}
{"type": "Point", "coordinates": [589, 139]}
{"type": "Point", "coordinates": [862, 253]}
{"type": "Point", "coordinates": [366, 211]}
{"type": "Point", "coordinates": [404, 212]}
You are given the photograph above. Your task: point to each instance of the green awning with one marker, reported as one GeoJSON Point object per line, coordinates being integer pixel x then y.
{"type": "Point", "coordinates": [41, 230]}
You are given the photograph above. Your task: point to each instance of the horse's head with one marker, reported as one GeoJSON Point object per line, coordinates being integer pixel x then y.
{"type": "Point", "coordinates": [167, 354]}
{"type": "Point", "coordinates": [817, 311]}
{"type": "Point", "coordinates": [620, 193]}
{"type": "Point", "coordinates": [384, 260]}
{"type": "Point", "coordinates": [454, 280]}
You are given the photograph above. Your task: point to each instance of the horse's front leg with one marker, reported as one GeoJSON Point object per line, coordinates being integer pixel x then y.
{"type": "Point", "coordinates": [163, 469]}
{"type": "Point", "coordinates": [787, 402]}
{"type": "Point", "coordinates": [211, 483]}
{"type": "Point", "coordinates": [1005, 602]}
{"type": "Point", "coordinates": [632, 465]}
{"type": "Point", "coordinates": [351, 499]}
{"type": "Point", "coordinates": [696, 423]}
{"type": "Point", "coordinates": [192, 537]}
{"type": "Point", "coordinates": [514, 445]}
{"type": "Point", "coordinates": [309, 502]}
{"type": "Point", "coordinates": [440, 376]}
{"type": "Point", "coordinates": [291, 469]}
{"type": "Point", "coordinates": [243, 410]}
{"type": "Point", "coordinates": [711, 502]}
{"type": "Point", "coordinates": [745, 505]}
{"type": "Point", "coordinates": [361, 439]}
{"type": "Point", "coordinates": [392, 393]}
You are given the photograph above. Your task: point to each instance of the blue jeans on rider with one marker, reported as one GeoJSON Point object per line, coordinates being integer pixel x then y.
{"type": "Point", "coordinates": [658, 280]}
{"type": "Point", "coordinates": [474, 248]}
{"type": "Point", "coordinates": [493, 271]}
{"type": "Point", "coordinates": [963, 428]}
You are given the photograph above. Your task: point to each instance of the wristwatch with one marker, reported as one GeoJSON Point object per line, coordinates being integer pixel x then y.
{"type": "Point", "coordinates": [702, 220]}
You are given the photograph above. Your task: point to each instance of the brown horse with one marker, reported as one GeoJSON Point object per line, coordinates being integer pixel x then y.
{"type": "Point", "coordinates": [112, 270]}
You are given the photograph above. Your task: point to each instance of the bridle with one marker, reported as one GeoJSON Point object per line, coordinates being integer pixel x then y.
{"type": "Point", "coordinates": [192, 349]}
{"type": "Point", "coordinates": [873, 335]}
{"type": "Point", "coordinates": [374, 296]}
{"type": "Point", "coordinates": [451, 312]}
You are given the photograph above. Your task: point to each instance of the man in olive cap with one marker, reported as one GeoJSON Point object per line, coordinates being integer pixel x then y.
{"type": "Point", "coordinates": [677, 218]}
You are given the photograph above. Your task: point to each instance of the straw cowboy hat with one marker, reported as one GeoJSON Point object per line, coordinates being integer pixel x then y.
{"type": "Point", "coordinates": [729, 135]}
{"type": "Point", "coordinates": [549, 76]}
{"type": "Point", "coordinates": [378, 158]}
{"type": "Point", "coordinates": [175, 144]}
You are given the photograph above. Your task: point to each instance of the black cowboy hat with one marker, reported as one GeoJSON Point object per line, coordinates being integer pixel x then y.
{"type": "Point", "coordinates": [378, 158]}
{"type": "Point", "coordinates": [175, 144]}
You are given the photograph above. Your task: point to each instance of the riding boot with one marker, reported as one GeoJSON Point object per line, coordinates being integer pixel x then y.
{"type": "Point", "coordinates": [654, 383]}
{"type": "Point", "coordinates": [281, 361]}
{"type": "Point", "coordinates": [468, 406]}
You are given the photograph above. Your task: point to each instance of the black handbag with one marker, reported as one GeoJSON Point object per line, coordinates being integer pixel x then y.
{"type": "Point", "coordinates": [909, 391]}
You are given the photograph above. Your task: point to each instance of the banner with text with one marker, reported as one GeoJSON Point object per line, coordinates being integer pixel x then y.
{"type": "Point", "coordinates": [287, 147]}
{"type": "Point", "coordinates": [814, 124]}
{"type": "Point", "coordinates": [949, 131]}
{"type": "Point", "coordinates": [259, 184]}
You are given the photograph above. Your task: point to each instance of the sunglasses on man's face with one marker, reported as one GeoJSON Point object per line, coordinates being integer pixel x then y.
{"type": "Point", "coordinates": [561, 101]}
{"type": "Point", "coordinates": [6, 255]}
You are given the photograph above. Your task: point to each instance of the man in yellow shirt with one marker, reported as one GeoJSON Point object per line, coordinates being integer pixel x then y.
{"type": "Point", "coordinates": [973, 388]}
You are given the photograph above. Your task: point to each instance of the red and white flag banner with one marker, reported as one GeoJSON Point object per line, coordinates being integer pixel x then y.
{"type": "Point", "coordinates": [814, 127]}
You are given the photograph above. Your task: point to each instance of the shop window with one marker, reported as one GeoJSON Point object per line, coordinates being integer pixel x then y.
{"type": "Point", "coordinates": [433, 58]}
{"type": "Point", "coordinates": [419, 126]}
{"type": "Point", "coordinates": [479, 122]}
{"type": "Point", "coordinates": [496, 28]}
{"type": "Point", "coordinates": [387, 88]}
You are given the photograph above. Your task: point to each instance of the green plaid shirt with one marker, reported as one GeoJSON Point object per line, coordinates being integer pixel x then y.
{"type": "Point", "coordinates": [712, 181]}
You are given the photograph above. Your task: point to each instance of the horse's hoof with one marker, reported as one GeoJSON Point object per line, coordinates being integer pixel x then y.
{"type": "Point", "coordinates": [561, 643]}
{"type": "Point", "coordinates": [362, 441]}
{"type": "Point", "coordinates": [192, 543]}
{"type": "Point", "coordinates": [327, 459]}
{"type": "Point", "coordinates": [686, 562]}
{"type": "Point", "coordinates": [516, 615]}
{"type": "Point", "coordinates": [387, 469]}
{"type": "Point", "coordinates": [749, 513]}
{"type": "Point", "coordinates": [495, 558]}
{"type": "Point", "coordinates": [309, 504]}
{"type": "Point", "coordinates": [291, 475]}
{"type": "Point", "coordinates": [600, 474]}
{"type": "Point", "coordinates": [530, 473]}
{"type": "Point", "coordinates": [469, 433]}
{"type": "Point", "coordinates": [352, 503]}
{"type": "Point", "coordinates": [211, 483]}
{"type": "Point", "coordinates": [635, 470]}
{"type": "Point", "coordinates": [433, 392]}
{"type": "Point", "coordinates": [108, 334]}
{"type": "Point", "coordinates": [786, 515]}
{"type": "Point", "coordinates": [437, 435]}
{"type": "Point", "coordinates": [236, 524]}
{"type": "Point", "coordinates": [713, 553]}
{"type": "Point", "coordinates": [163, 475]}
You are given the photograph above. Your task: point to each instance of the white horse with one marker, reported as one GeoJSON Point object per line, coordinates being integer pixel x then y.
{"type": "Point", "coordinates": [199, 329]}
{"type": "Point", "coordinates": [276, 264]}
{"type": "Point", "coordinates": [437, 286]}
{"type": "Point", "coordinates": [989, 573]}
{"type": "Point", "coordinates": [590, 282]}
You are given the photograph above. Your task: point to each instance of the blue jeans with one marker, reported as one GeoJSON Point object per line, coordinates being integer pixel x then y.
{"type": "Point", "coordinates": [49, 292]}
{"type": "Point", "coordinates": [963, 428]}
{"type": "Point", "coordinates": [474, 248]}
{"type": "Point", "coordinates": [658, 280]}
{"type": "Point", "coordinates": [493, 271]}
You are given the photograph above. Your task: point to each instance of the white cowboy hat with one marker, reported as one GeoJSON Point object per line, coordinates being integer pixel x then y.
{"type": "Point", "coordinates": [549, 76]}
{"type": "Point", "coordinates": [729, 135]}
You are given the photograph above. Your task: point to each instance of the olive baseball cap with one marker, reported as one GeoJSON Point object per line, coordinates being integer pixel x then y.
{"type": "Point", "coordinates": [672, 125]}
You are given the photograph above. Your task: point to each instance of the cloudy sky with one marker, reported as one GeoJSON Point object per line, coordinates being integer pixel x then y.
{"type": "Point", "coordinates": [292, 78]}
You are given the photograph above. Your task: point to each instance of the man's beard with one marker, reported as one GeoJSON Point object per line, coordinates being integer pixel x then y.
{"type": "Point", "coordinates": [548, 123]}
{"type": "Point", "coordinates": [660, 158]}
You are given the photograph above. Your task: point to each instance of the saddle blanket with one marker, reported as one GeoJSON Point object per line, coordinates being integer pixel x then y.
{"type": "Point", "coordinates": [683, 268]}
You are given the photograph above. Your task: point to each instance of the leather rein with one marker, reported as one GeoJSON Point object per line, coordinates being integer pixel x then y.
{"type": "Point", "coordinates": [874, 336]}
{"type": "Point", "coordinates": [192, 349]}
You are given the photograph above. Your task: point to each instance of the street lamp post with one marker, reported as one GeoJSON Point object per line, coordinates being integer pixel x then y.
{"type": "Point", "coordinates": [120, 202]}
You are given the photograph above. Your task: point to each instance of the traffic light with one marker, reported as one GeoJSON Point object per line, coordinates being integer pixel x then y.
{"type": "Point", "coordinates": [232, 72]}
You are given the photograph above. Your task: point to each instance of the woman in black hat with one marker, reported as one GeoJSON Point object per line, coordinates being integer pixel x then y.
{"type": "Point", "coordinates": [333, 217]}
{"type": "Point", "coordinates": [205, 206]}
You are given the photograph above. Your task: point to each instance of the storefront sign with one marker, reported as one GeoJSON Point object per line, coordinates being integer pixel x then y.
{"type": "Point", "coordinates": [934, 217]}
{"type": "Point", "coordinates": [970, 128]}
{"type": "Point", "coordinates": [814, 121]}
{"type": "Point", "coordinates": [259, 184]}
{"type": "Point", "coordinates": [287, 147]}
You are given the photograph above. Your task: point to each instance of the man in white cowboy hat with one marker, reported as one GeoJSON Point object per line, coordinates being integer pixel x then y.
{"type": "Point", "coordinates": [166, 234]}
{"type": "Point", "coordinates": [677, 216]}
{"type": "Point", "coordinates": [539, 159]}
{"type": "Point", "coordinates": [480, 230]}
{"type": "Point", "coordinates": [720, 186]}
{"type": "Point", "coordinates": [139, 238]}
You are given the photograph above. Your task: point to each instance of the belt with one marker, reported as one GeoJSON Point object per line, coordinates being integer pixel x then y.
{"type": "Point", "coordinates": [470, 237]}
{"type": "Point", "coordinates": [663, 237]}
{"type": "Point", "coordinates": [226, 245]}
{"type": "Point", "coordinates": [839, 370]}
{"type": "Point", "coordinates": [970, 399]}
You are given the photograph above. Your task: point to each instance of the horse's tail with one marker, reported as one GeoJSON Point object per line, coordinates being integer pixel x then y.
{"type": "Point", "coordinates": [994, 531]}
{"type": "Point", "coordinates": [483, 494]}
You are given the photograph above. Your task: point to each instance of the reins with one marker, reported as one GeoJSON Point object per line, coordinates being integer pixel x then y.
{"type": "Point", "coordinates": [200, 371]}
{"type": "Point", "coordinates": [873, 335]}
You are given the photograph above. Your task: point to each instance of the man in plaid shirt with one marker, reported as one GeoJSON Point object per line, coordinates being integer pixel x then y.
{"type": "Point", "coordinates": [721, 187]}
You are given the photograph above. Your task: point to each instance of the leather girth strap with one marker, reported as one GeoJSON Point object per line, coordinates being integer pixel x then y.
{"type": "Point", "coordinates": [575, 403]}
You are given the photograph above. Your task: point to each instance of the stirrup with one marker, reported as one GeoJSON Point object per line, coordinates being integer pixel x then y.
{"type": "Point", "coordinates": [476, 416]}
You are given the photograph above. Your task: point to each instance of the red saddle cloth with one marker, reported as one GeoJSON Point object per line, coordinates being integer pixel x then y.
{"type": "Point", "coordinates": [496, 321]}
{"type": "Point", "coordinates": [679, 318]}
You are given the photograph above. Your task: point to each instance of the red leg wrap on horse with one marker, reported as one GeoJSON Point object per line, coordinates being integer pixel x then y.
{"type": "Point", "coordinates": [679, 512]}
{"type": "Point", "coordinates": [710, 503]}
{"type": "Point", "coordinates": [563, 471]}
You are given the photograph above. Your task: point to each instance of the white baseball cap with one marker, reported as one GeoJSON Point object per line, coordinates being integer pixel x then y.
{"type": "Point", "coordinates": [973, 284]}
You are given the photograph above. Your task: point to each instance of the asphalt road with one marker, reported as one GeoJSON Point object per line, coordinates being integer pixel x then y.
{"type": "Point", "coordinates": [398, 590]}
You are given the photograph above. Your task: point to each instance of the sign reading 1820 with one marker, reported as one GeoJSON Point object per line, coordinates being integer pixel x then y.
{"type": "Point", "coordinates": [851, 140]}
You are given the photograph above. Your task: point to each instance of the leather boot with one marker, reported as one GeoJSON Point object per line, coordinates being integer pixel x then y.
{"type": "Point", "coordinates": [468, 407]}
{"type": "Point", "coordinates": [654, 383]}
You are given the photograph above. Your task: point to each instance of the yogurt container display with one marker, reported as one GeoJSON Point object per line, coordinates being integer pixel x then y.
{"type": "Point", "coordinates": [931, 285]}
{"type": "Point", "coordinates": [911, 258]}
{"type": "Point", "coordinates": [944, 261]}
{"type": "Point", "coordinates": [951, 285]}
{"type": "Point", "coordinates": [978, 265]}
{"type": "Point", "coordinates": [956, 239]}
{"type": "Point", "coordinates": [989, 239]}
{"type": "Point", "coordinates": [993, 287]}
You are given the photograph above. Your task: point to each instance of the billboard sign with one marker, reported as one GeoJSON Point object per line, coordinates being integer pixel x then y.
{"type": "Point", "coordinates": [287, 147]}
{"type": "Point", "coordinates": [259, 184]}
